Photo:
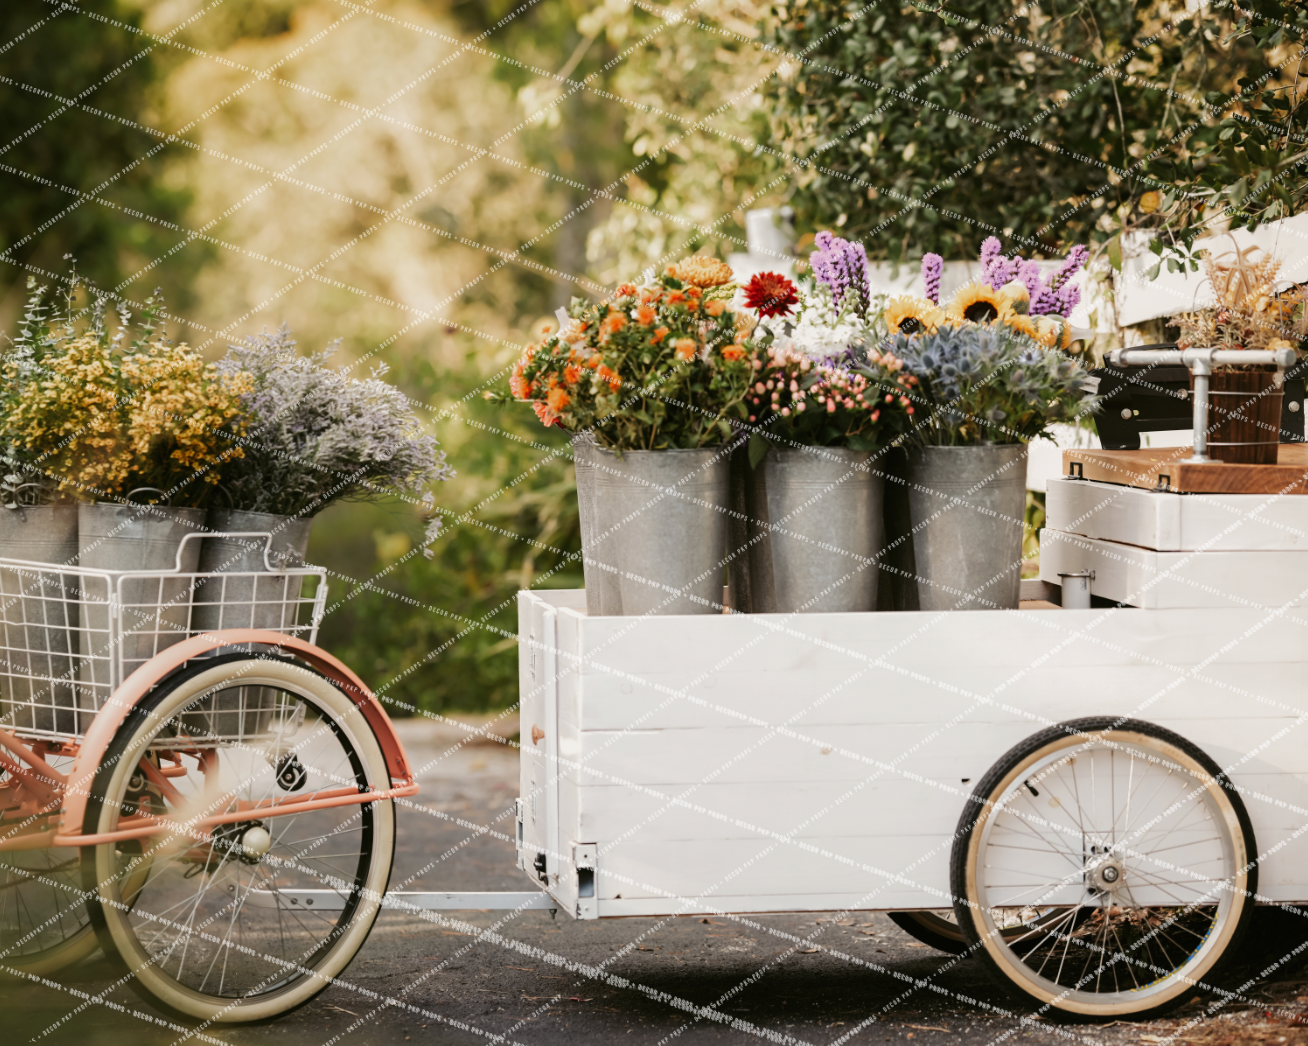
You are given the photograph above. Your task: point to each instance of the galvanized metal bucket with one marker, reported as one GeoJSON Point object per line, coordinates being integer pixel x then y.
{"type": "Point", "coordinates": [268, 601]}
{"type": "Point", "coordinates": [156, 612]}
{"type": "Point", "coordinates": [967, 506]}
{"type": "Point", "coordinates": [603, 593]}
{"type": "Point", "coordinates": [663, 515]}
{"type": "Point", "coordinates": [38, 611]}
{"type": "Point", "coordinates": [824, 509]}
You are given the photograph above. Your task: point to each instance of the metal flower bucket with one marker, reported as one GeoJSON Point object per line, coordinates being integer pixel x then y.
{"type": "Point", "coordinates": [663, 515]}
{"type": "Point", "coordinates": [824, 511]}
{"type": "Point", "coordinates": [968, 512]}
{"type": "Point", "coordinates": [155, 612]}
{"type": "Point", "coordinates": [252, 547]}
{"type": "Point", "coordinates": [38, 611]}
{"type": "Point", "coordinates": [599, 566]}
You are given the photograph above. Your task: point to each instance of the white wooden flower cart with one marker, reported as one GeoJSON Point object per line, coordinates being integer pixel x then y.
{"type": "Point", "coordinates": [1091, 801]}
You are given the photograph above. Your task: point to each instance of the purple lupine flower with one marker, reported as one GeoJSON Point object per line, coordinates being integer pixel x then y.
{"type": "Point", "coordinates": [932, 266]}
{"type": "Point", "coordinates": [991, 249]}
{"type": "Point", "coordinates": [1029, 273]}
{"type": "Point", "coordinates": [1069, 297]}
{"type": "Point", "coordinates": [1072, 264]}
{"type": "Point", "coordinates": [1044, 302]}
{"type": "Point", "coordinates": [842, 266]}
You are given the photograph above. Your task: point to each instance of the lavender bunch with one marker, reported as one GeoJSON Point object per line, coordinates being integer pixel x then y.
{"type": "Point", "coordinates": [1055, 297]}
{"type": "Point", "coordinates": [842, 266]}
{"type": "Point", "coordinates": [315, 436]}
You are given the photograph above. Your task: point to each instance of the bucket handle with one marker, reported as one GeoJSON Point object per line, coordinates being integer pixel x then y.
{"type": "Point", "coordinates": [17, 504]}
{"type": "Point", "coordinates": [265, 534]}
{"type": "Point", "coordinates": [167, 498]}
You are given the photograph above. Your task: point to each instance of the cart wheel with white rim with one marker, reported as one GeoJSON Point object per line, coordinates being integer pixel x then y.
{"type": "Point", "coordinates": [1135, 848]}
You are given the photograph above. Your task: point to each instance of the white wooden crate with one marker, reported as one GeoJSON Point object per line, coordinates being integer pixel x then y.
{"type": "Point", "coordinates": [816, 762]}
{"type": "Point", "coordinates": [1170, 522]}
{"type": "Point", "coordinates": [1143, 577]}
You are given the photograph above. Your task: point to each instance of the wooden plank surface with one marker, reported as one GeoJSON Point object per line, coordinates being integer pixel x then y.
{"type": "Point", "coordinates": [1152, 580]}
{"type": "Point", "coordinates": [1143, 468]}
{"type": "Point", "coordinates": [1170, 522]}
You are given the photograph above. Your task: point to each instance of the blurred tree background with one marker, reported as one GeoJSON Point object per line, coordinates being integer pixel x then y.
{"type": "Point", "coordinates": [428, 180]}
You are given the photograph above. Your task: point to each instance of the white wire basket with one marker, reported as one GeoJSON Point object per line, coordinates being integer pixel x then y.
{"type": "Point", "coordinates": [69, 637]}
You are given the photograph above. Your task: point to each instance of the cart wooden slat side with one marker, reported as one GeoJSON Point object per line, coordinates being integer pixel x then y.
{"type": "Point", "coordinates": [764, 763]}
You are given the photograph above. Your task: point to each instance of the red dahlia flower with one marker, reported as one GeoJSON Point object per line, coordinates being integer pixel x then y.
{"type": "Point", "coordinates": [770, 294]}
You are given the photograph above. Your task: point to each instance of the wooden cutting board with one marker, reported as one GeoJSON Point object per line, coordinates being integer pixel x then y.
{"type": "Point", "coordinates": [1165, 468]}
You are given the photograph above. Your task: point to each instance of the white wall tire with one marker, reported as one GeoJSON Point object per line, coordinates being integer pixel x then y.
{"type": "Point", "coordinates": [193, 936]}
{"type": "Point", "coordinates": [1139, 855]}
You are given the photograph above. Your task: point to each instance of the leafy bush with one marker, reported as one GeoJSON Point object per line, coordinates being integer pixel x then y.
{"type": "Point", "coordinates": [1067, 122]}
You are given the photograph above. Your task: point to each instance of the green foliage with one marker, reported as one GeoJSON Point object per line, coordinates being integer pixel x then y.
{"type": "Point", "coordinates": [929, 128]}
{"type": "Point", "coordinates": [1251, 166]}
{"type": "Point", "coordinates": [78, 152]}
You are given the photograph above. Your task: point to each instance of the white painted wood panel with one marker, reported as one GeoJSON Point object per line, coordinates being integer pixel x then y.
{"type": "Point", "coordinates": [1149, 579]}
{"type": "Point", "coordinates": [1171, 522]}
{"type": "Point", "coordinates": [931, 751]}
{"type": "Point", "coordinates": [812, 753]}
{"type": "Point", "coordinates": [665, 701]}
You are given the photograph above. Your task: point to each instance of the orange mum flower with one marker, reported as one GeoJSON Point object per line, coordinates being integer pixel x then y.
{"type": "Point", "coordinates": [693, 292]}
{"type": "Point", "coordinates": [626, 290]}
{"type": "Point", "coordinates": [651, 295]}
{"type": "Point", "coordinates": [607, 375]}
{"type": "Point", "coordinates": [675, 297]}
{"type": "Point", "coordinates": [612, 323]}
{"type": "Point", "coordinates": [519, 386]}
{"type": "Point", "coordinates": [557, 399]}
{"type": "Point", "coordinates": [715, 307]}
{"type": "Point", "coordinates": [594, 361]}
{"type": "Point", "coordinates": [572, 375]}
{"type": "Point", "coordinates": [644, 315]}
{"type": "Point", "coordinates": [685, 348]}
{"type": "Point", "coordinates": [733, 353]}
{"type": "Point", "coordinates": [659, 334]}
{"type": "Point", "coordinates": [543, 412]}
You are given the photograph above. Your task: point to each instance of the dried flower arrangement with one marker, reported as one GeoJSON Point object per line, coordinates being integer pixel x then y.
{"type": "Point", "coordinates": [94, 418]}
{"type": "Point", "coordinates": [1248, 313]}
{"type": "Point", "coordinates": [660, 366]}
{"type": "Point", "coordinates": [315, 436]}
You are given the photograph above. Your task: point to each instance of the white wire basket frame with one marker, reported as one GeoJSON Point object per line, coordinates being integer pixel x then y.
{"type": "Point", "coordinates": [69, 636]}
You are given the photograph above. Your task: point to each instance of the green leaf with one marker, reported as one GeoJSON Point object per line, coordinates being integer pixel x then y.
{"type": "Point", "coordinates": [758, 449]}
{"type": "Point", "coordinates": [1114, 251]}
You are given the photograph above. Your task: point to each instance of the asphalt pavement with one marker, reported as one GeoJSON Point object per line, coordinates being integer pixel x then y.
{"type": "Point", "coordinates": [530, 978]}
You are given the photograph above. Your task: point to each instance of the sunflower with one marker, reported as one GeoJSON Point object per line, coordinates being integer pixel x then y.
{"type": "Point", "coordinates": [979, 303]}
{"type": "Point", "coordinates": [702, 271]}
{"type": "Point", "coordinates": [906, 315]}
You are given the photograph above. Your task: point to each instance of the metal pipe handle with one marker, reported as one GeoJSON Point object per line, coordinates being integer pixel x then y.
{"type": "Point", "coordinates": [1201, 363]}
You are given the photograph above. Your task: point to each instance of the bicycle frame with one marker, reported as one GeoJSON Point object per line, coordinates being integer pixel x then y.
{"type": "Point", "coordinates": [41, 791]}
